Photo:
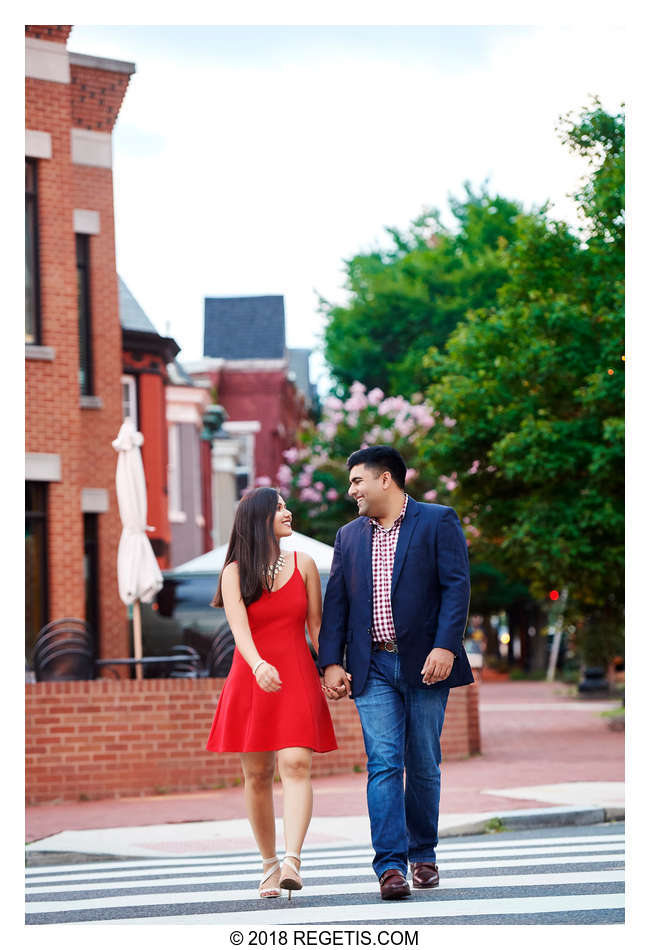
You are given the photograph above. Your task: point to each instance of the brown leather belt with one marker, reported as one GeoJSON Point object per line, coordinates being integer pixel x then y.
{"type": "Point", "coordinates": [390, 646]}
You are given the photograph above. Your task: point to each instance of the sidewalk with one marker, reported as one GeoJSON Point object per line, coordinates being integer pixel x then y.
{"type": "Point", "coordinates": [541, 750]}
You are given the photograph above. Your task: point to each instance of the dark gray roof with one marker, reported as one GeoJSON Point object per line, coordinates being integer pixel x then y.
{"type": "Point", "coordinates": [240, 328]}
{"type": "Point", "coordinates": [132, 316]}
{"type": "Point", "coordinates": [299, 366]}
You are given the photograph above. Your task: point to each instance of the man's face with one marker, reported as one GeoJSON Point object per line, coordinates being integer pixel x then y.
{"type": "Point", "coordinates": [366, 487]}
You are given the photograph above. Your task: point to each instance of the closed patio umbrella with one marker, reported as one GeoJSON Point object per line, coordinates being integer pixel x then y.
{"type": "Point", "coordinates": [138, 574]}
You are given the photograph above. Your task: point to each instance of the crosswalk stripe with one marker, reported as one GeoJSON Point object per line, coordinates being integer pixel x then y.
{"type": "Point", "coordinates": [360, 870]}
{"type": "Point", "coordinates": [444, 848]}
{"type": "Point", "coordinates": [484, 880]}
{"type": "Point", "coordinates": [366, 887]}
{"type": "Point", "coordinates": [310, 862]}
{"type": "Point", "coordinates": [399, 910]}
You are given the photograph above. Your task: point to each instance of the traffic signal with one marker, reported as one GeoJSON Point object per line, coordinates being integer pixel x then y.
{"type": "Point", "coordinates": [554, 594]}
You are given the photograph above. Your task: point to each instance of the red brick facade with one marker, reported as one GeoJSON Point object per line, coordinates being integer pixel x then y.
{"type": "Point", "coordinates": [151, 375]}
{"type": "Point", "coordinates": [266, 396]}
{"type": "Point", "coordinates": [53, 34]}
{"type": "Point", "coordinates": [96, 97]}
{"type": "Point", "coordinates": [107, 738]}
{"type": "Point", "coordinates": [56, 422]}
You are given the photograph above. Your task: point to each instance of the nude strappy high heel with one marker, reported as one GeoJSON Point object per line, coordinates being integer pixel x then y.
{"type": "Point", "coordinates": [290, 880]}
{"type": "Point", "coordinates": [269, 891]}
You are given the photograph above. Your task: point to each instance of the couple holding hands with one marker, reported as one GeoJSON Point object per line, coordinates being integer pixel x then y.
{"type": "Point", "coordinates": [389, 635]}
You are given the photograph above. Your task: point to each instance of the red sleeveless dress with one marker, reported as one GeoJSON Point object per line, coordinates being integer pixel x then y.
{"type": "Point", "coordinates": [248, 719]}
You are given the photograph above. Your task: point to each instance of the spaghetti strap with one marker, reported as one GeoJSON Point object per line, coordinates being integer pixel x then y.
{"type": "Point", "coordinates": [295, 560]}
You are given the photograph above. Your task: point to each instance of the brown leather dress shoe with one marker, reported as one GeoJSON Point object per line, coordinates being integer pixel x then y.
{"type": "Point", "coordinates": [424, 874]}
{"type": "Point", "coordinates": [393, 886]}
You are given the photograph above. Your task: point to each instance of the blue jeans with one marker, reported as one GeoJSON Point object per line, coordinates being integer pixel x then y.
{"type": "Point", "coordinates": [401, 731]}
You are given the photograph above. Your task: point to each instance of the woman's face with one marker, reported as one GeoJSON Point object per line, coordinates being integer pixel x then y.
{"type": "Point", "coordinates": [282, 520]}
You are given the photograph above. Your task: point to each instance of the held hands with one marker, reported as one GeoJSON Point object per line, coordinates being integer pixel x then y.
{"type": "Point", "coordinates": [336, 682]}
{"type": "Point", "coordinates": [268, 678]}
{"type": "Point", "coordinates": [437, 665]}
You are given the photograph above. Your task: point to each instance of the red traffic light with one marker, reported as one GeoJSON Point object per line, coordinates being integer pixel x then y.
{"type": "Point", "coordinates": [554, 594]}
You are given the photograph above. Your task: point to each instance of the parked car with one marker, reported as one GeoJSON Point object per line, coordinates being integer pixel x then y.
{"type": "Point", "coordinates": [181, 612]}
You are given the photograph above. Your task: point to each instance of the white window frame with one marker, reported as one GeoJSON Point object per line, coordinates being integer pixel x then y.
{"type": "Point", "coordinates": [175, 513]}
{"type": "Point", "coordinates": [244, 431]}
{"type": "Point", "coordinates": [132, 398]}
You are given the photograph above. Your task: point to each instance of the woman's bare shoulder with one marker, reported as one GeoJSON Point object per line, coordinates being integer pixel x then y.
{"type": "Point", "coordinates": [230, 571]}
{"type": "Point", "coordinates": [305, 561]}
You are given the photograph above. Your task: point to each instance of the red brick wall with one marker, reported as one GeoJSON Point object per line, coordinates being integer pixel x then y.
{"type": "Point", "coordinates": [107, 738]}
{"type": "Point", "coordinates": [55, 421]}
{"type": "Point", "coordinates": [97, 96]}
{"type": "Point", "coordinates": [151, 379]}
{"type": "Point", "coordinates": [53, 34]}
{"type": "Point", "coordinates": [268, 397]}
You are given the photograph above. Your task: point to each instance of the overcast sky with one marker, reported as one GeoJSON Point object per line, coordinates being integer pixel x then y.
{"type": "Point", "coordinates": [253, 160]}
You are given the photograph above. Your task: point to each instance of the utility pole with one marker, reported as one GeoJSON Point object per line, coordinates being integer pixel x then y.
{"type": "Point", "coordinates": [557, 636]}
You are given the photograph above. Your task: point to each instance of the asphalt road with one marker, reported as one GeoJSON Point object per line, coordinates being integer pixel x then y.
{"type": "Point", "coordinates": [567, 875]}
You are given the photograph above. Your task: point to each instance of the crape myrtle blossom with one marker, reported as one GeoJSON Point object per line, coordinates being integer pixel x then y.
{"type": "Point", "coordinates": [291, 455]}
{"type": "Point", "coordinates": [356, 403]}
{"type": "Point", "coordinates": [310, 494]}
{"type": "Point", "coordinates": [283, 477]}
{"type": "Point", "coordinates": [315, 477]}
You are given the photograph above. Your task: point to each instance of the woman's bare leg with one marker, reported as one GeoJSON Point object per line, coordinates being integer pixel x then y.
{"type": "Point", "coordinates": [258, 769]}
{"type": "Point", "coordinates": [294, 765]}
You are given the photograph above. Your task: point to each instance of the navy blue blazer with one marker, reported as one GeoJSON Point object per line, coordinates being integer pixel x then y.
{"type": "Point", "coordinates": [429, 594]}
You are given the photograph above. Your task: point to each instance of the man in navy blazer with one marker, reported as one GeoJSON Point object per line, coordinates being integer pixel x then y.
{"type": "Point", "coordinates": [394, 617]}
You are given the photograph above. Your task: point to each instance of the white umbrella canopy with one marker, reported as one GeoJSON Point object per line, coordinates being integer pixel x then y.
{"type": "Point", "coordinates": [138, 574]}
{"type": "Point", "coordinates": [213, 561]}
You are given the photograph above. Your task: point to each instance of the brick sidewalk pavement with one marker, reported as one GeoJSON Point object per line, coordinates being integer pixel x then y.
{"type": "Point", "coordinates": [531, 734]}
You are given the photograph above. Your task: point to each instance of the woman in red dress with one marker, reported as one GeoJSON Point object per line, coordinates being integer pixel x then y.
{"type": "Point", "coordinates": [272, 701]}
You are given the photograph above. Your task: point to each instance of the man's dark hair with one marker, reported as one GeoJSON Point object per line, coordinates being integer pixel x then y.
{"type": "Point", "coordinates": [381, 458]}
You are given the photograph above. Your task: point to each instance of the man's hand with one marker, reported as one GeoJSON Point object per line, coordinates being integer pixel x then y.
{"type": "Point", "coordinates": [437, 665]}
{"type": "Point", "coordinates": [336, 682]}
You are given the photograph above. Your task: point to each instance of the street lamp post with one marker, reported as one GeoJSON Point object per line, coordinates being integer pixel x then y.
{"type": "Point", "coordinates": [223, 483]}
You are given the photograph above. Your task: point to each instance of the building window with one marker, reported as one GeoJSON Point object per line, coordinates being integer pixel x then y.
{"type": "Point", "coordinates": [245, 462]}
{"type": "Point", "coordinates": [130, 399]}
{"type": "Point", "coordinates": [32, 290]}
{"type": "Point", "coordinates": [174, 473]}
{"type": "Point", "coordinates": [36, 586]}
{"type": "Point", "coordinates": [91, 572]}
{"type": "Point", "coordinates": [83, 307]}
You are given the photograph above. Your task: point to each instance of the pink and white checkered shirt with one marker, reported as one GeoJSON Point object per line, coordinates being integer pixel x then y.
{"type": "Point", "coordinates": [384, 543]}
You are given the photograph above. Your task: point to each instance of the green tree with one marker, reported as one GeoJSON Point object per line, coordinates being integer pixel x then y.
{"type": "Point", "coordinates": [409, 297]}
{"type": "Point", "coordinates": [536, 387]}
{"type": "Point", "coordinates": [314, 480]}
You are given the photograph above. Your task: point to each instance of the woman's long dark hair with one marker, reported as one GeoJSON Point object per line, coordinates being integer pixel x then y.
{"type": "Point", "coordinates": [252, 544]}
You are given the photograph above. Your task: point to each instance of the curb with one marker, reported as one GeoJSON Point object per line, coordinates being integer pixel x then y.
{"type": "Point", "coordinates": [490, 823]}
{"type": "Point", "coordinates": [521, 820]}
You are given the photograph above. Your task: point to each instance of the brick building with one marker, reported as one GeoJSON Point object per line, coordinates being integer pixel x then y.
{"type": "Point", "coordinates": [189, 476]}
{"type": "Point", "coordinates": [145, 356]}
{"type": "Point", "coordinates": [73, 338]}
{"type": "Point", "coordinates": [263, 386]}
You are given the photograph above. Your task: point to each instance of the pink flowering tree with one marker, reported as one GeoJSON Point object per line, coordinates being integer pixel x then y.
{"type": "Point", "coordinates": [314, 476]}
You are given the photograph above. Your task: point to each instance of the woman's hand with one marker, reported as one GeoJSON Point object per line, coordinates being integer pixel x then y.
{"type": "Point", "coordinates": [268, 678]}
{"type": "Point", "coordinates": [336, 682]}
